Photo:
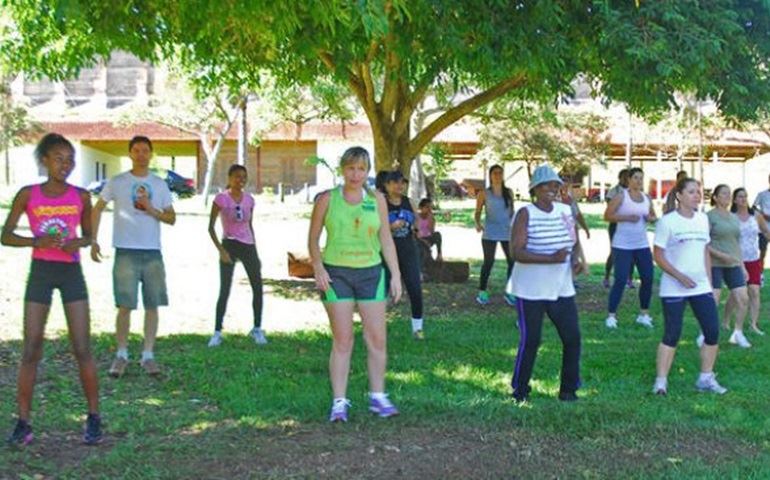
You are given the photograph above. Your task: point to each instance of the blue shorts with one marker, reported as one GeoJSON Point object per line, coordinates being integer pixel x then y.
{"type": "Point", "coordinates": [732, 276]}
{"type": "Point", "coordinates": [133, 267]}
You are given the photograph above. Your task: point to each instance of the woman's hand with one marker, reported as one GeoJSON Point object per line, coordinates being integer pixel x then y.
{"type": "Point", "coordinates": [479, 227]}
{"type": "Point", "coordinates": [395, 288]}
{"type": "Point", "coordinates": [224, 257]}
{"type": "Point", "coordinates": [686, 281]}
{"type": "Point", "coordinates": [560, 256]}
{"type": "Point", "coordinates": [48, 241]}
{"type": "Point", "coordinates": [71, 246]}
{"type": "Point", "coordinates": [745, 273]}
{"type": "Point", "coordinates": [322, 279]}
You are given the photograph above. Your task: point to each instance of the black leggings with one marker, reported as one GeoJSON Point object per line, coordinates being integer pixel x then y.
{"type": "Point", "coordinates": [409, 265]}
{"type": "Point", "coordinates": [489, 260]}
{"type": "Point", "coordinates": [564, 315]}
{"type": "Point", "coordinates": [247, 254]}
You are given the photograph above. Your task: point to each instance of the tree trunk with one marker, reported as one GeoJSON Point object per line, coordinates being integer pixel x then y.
{"type": "Point", "coordinates": [242, 133]}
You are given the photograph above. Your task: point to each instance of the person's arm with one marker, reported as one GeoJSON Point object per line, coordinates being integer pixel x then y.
{"type": "Point", "coordinates": [721, 256]}
{"type": "Point", "coordinates": [388, 248]}
{"type": "Point", "coordinates": [224, 257]}
{"type": "Point", "coordinates": [431, 223]}
{"type": "Point", "coordinates": [71, 246]}
{"type": "Point", "coordinates": [96, 219]}
{"type": "Point", "coordinates": [518, 243]}
{"type": "Point", "coordinates": [10, 238]}
{"type": "Point", "coordinates": [611, 215]}
{"type": "Point", "coordinates": [480, 198]}
{"type": "Point", "coordinates": [582, 222]}
{"type": "Point", "coordinates": [652, 217]}
{"type": "Point", "coordinates": [758, 205]}
{"type": "Point", "coordinates": [166, 213]}
{"type": "Point", "coordinates": [763, 227]}
{"type": "Point", "coordinates": [322, 279]}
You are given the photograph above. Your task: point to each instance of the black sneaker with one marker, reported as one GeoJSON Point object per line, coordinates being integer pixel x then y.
{"type": "Point", "coordinates": [93, 433]}
{"type": "Point", "coordinates": [568, 396]}
{"type": "Point", "coordinates": [22, 434]}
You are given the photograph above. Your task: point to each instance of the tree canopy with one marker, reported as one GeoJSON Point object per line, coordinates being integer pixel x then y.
{"type": "Point", "coordinates": [390, 54]}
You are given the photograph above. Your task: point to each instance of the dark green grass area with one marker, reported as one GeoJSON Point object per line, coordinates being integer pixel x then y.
{"type": "Point", "coordinates": [242, 411]}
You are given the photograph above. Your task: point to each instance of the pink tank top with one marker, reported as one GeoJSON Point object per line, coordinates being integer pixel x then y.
{"type": "Point", "coordinates": [423, 227]}
{"type": "Point", "coordinates": [59, 216]}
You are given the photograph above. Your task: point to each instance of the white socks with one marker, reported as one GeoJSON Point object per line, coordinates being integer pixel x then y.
{"type": "Point", "coordinates": [122, 353]}
{"type": "Point", "coordinates": [378, 396]}
{"type": "Point", "coordinates": [147, 356]}
{"type": "Point", "coordinates": [416, 324]}
{"type": "Point", "coordinates": [705, 376]}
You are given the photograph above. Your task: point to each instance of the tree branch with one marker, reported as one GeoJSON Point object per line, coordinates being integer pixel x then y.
{"type": "Point", "coordinates": [459, 111]}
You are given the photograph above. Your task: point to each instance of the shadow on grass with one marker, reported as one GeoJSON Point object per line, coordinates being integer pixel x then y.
{"type": "Point", "coordinates": [299, 290]}
{"type": "Point", "coordinates": [241, 410]}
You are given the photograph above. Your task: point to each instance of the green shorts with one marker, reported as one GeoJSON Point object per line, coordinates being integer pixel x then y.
{"type": "Point", "coordinates": [355, 284]}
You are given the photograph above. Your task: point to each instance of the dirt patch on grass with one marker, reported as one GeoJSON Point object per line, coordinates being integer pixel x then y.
{"type": "Point", "coordinates": [371, 451]}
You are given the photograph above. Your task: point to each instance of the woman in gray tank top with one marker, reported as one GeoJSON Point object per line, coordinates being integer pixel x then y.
{"type": "Point", "coordinates": [497, 203]}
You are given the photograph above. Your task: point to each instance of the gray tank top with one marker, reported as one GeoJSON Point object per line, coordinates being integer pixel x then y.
{"type": "Point", "coordinates": [497, 224]}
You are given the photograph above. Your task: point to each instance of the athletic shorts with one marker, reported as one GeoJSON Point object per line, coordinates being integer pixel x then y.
{"type": "Point", "coordinates": [45, 277]}
{"type": "Point", "coordinates": [732, 276]}
{"type": "Point", "coordinates": [355, 284]}
{"type": "Point", "coordinates": [133, 267]}
{"type": "Point", "coordinates": [755, 272]}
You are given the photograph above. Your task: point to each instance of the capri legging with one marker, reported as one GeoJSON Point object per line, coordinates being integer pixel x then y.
{"type": "Point", "coordinates": [409, 265]}
{"type": "Point", "coordinates": [489, 260]}
{"type": "Point", "coordinates": [705, 309]}
{"type": "Point", "coordinates": [247, 254]}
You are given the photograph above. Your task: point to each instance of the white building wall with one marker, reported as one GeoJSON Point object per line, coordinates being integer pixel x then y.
{"type": "Point", "coordinates": [87, 160]}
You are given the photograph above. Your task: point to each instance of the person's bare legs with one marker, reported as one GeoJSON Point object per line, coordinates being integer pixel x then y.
{"type": "Point", "coordinates": [78, 324]}
{"type": "Point", "coordinates": [753, 291]}
{"type": "Point", "coordinates": [375, 335]}
{"type": "Point", "coordinates": [729, 312]}
{"type": "Point", "coordinates": [122, 327]}
{"type": "Point", "coordinates": [35, 315]}
{"type": "Point", "coordinates": [664, 360]}
{"type": "Point", "coordinates": [341, 323]}
{"type": "Point", "coordinates": [708, 356]}
{"type": "Point", "coordinates": [740, 299]}
{"type": "Point", "coordinates": [150, 328]}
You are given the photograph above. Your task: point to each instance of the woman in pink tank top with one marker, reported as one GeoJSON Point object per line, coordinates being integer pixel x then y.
{"type": "Point", "coordinates": [55, 210]}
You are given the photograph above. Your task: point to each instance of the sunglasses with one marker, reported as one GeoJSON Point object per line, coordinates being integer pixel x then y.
{"type": "Point", "coordinates": [238, 213]}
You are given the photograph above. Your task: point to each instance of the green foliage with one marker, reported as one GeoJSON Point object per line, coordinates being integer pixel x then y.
{"type": "Point", "coordinates": [390, 54]}
{"type": "Point", "coordinates": [535, 133]}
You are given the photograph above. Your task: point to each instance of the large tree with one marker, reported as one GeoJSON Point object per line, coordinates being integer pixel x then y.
{"type": "Point", "coordinates": [391, 53]}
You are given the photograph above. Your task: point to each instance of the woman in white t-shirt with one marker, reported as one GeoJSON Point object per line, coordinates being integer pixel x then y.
{"type": "Point", "coordinates": [631, 210]}
{"type": "Point", "coordinates": [681, 251]}
{"type": "Point", "coordinates": [234, 207]}
{"type": "Point", "coordinates": [546, 248]}
{"type": "Point", "coordinates": [752, 223]}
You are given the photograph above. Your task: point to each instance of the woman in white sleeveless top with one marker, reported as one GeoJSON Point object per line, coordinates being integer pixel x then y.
{"type": "Point", "coordinates": [752, 223]}
{"type": "Point", "coordinates": [632, 211]}
{"type": "Point", "coordinates": [545, 248]}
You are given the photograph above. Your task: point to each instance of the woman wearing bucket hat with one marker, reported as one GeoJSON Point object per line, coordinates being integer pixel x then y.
{"type": "Point", "coordinates": [545, 246]}
{"type": "Point", "coordinates": [497, 202]}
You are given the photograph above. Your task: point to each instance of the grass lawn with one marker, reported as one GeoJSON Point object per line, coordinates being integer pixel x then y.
{"type": "Point", "coordinates": [242, 411]}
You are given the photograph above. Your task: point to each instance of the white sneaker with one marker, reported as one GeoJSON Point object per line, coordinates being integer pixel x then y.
{"type": "Point", "coordinates": [660, 387]}
{"type": "Point", "coordinates": [258, 335]}
{"type": "Point", "coordinates": [611, 322]}
{"type": "Point", "coordinates": [700, 340]}
{"type": "Point", "coordinates": [738, 338]}
{"type": "Point", "coordinates": [216, 339]}
{"type": "Point", "coordinates": [644, 320]}
{"type": "Point", "coordinates": [710, 384]}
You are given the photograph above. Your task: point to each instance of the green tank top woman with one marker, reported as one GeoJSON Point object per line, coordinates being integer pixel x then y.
{"type": "Point", "coordinates": [352, 232]}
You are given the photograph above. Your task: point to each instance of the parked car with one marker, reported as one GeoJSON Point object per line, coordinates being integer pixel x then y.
{"type": "Point", "coordinates": [182, 187]}
{"type": "Point", "coordinates": [450, 188]}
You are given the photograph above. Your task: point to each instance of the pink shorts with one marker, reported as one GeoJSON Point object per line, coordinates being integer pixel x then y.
{"type": "Point", "coordinates": [755, 272]}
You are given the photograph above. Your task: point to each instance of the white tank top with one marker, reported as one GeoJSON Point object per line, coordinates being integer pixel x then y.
{"type": "Point", "coordinates": [632, 236]}
{"type": "Point", "coordinates": [547, 233]}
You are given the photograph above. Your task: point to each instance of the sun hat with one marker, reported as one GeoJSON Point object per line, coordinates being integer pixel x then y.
{"type": "Point", "coordinates": [544, 174]}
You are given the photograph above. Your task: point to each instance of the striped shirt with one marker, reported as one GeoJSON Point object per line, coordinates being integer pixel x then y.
{"type": "Point", "coordinates": [547, 233]}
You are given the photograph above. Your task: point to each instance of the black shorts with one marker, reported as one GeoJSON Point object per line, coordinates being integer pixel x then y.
{"type": "Point", "coordinates": [355, 284]}
{"type": "Point", "coordinates": [45, 277]}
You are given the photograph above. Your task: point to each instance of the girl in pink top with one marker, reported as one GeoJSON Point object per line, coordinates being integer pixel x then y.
{"type": "Point", "coordinates": [235, 207]}
{"type": "Point", "coordinates": [55, 209]}
{"type": "Point", "coordinates": [426, 228]}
